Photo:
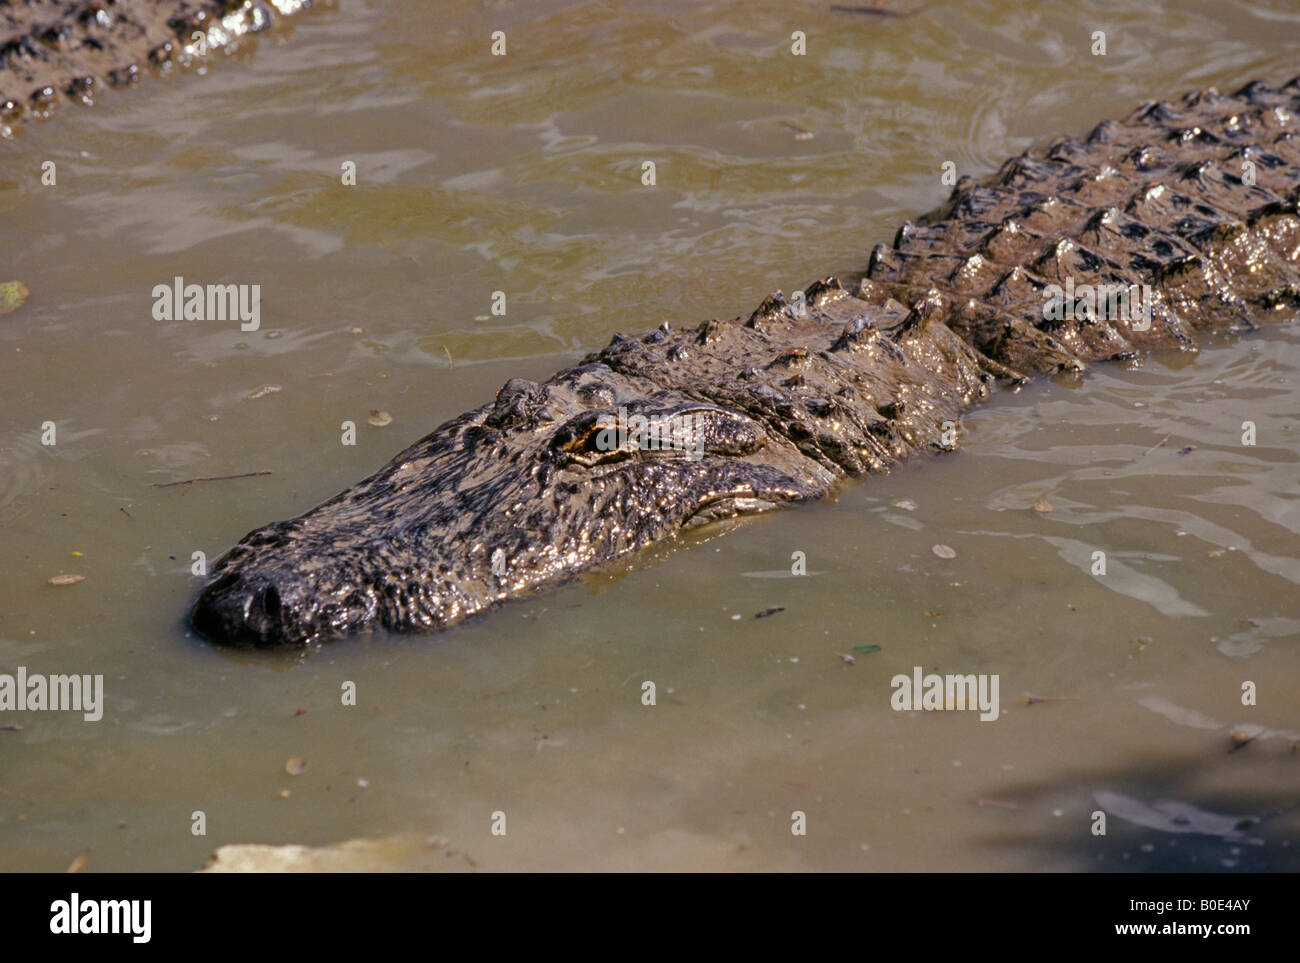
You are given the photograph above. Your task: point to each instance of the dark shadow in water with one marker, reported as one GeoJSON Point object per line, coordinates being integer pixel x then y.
{"type": "Point", "coordinates": [1161, 817]}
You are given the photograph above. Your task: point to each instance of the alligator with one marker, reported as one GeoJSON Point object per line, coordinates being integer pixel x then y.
{"type": "Point", "coordinates": [53, 50]}
{"type": "Point", "coordinates": [1189, 206]}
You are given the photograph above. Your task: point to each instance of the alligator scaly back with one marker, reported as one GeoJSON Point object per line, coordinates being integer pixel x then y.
{"type": "Point", "coordinates": [57, 50]}
{"type": "Point", "coordinates": [1187, 209]}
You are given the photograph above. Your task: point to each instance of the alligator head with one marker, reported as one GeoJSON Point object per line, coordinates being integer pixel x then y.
{"type": "Point", "coordinates": [543, 483]}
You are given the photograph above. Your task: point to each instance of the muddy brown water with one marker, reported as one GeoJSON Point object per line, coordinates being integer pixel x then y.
{"type": "Point", "coordinates": [521, 174]}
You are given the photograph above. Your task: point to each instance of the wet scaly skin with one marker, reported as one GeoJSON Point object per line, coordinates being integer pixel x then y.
{"type": "Point", "coordinates": [789, 401]}
{"type": "Point", "coordinates": [72, 50]}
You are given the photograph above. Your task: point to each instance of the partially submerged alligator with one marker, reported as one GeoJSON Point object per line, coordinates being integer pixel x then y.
{"type": "Point", "coordinates": [74, 49]}
{"type": "Point", "coordinates": [1195, 200]}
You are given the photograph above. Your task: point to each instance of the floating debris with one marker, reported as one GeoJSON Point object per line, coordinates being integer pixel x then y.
{"type": "Point", "coordinates": [766, 612]}
{"type": "Point", "coordinates": [12, 296]}
{"type": "Point", "coordinates": [296, 766]}
{"type": "Point", "coordinates": [800, 133]}
{"type": "Point", "coordinates": [1241, 738]}
{"type": "Point", "coordinates": [866, 649]}
{"type": "Point", "coordinates": [944, 551]}
{"type": "Point", "coordinates": [906, 504]}
{"type": "Point", "coordinates": [263, 391]}
{"type": "Point", "coordinates": [191, 481]}
{"type": "Point", "coordinates": [1030, 700]}
{"type": "Point", "coordinates": [876, 9]}
{"type": "Point", "coordinates": [1155, 446]}
{"type": "Point", "coordinates": [67, 579]}
{"type": "Point", "coordinates": [79, 863]}
{"type": "Point", "coordinates": [1187, 451]}
{"type": "Point", "coordinates": [379, 418]}
{"type": "Point", "coordinates": [848, 659]}
{"type": "Point", "coordinates": [1042, 506]}
{"type": "Point", "coordinates": [997, 804]}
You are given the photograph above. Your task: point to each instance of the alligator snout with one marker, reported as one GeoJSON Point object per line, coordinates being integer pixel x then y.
{"type": "Point", "coordinates": [250, 609]}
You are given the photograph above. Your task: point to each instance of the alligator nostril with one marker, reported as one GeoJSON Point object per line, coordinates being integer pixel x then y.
{"type": "Point", "coordinates": [270, 601]}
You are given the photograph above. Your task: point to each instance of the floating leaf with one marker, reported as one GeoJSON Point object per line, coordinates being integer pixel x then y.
{"type": "Point", "coordinates": [866, 649]}
{"type": "Point", "coordinates": [296, 766]}
{"type": "Point", "coordinates": [1240, 738]}
{"type": "Point", "coordinates": [380, 418]}
{"type": "Point", "coordinates": [12, 296]}
{"type": "Point", "coordinates": [78, 864]}
{"type": "Point", "coordinates": [944, 551]}
{"type": "Point", "coordinates": [67, 579]}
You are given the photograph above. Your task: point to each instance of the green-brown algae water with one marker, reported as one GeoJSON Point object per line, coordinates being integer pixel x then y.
{"type": "Point", "coordinates": [521, 174]}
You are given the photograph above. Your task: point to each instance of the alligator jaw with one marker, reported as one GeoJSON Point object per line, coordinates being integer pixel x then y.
{"type": "Point", "coordinates": [1194, 203]}
{"type": "Point", "coordinates": [424, 580]}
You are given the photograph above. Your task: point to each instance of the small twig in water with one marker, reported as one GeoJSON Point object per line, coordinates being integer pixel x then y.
{"type": "Point", "coordinates": [997, 804]}
{"type": "Point", "coordinates": [1029, 700]}
{"type": "Point", "coordinates": [191, 481]}
{"type": "Point", "coordinates": [800, 133]}
{"type": "Point", "coordinates": [1155, 446]}
{"type": "Point", "coordinates": [877, 9]}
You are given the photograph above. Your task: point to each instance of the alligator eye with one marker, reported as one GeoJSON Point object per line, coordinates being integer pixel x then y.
{"type": "Point", "coordinates": [585, 437]}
